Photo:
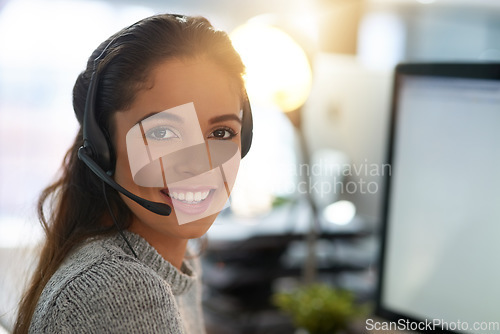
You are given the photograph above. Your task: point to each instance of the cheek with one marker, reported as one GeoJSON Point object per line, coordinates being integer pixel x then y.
{"type": "Point", "coordinates": [230, 169]}
{"type": "Point", "coordinates": [238, 140]}
{"type": "Point", "coordinates": [123, 174]}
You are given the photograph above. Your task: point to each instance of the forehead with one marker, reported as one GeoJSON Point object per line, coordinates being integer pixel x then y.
{"type": "Point", "coordinates": [179, 81]}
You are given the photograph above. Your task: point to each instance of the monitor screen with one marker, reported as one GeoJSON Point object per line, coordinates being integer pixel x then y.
{"type": "Point", "coordinates": [441, 236]}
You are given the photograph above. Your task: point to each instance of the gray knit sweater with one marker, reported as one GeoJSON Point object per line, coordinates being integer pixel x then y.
{"type": "Point", "coordinates": [102, 288]}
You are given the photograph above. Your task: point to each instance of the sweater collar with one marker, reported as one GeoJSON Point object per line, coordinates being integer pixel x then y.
{"type": "Point", "coordinates": [179, 280]}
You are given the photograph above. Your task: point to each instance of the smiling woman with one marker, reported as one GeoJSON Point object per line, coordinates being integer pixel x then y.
{"type": "Point", "coordinates": [165, 121]}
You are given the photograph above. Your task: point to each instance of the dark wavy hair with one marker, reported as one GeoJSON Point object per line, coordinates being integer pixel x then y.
{"type": "Point", "coordinates": [75, 201]}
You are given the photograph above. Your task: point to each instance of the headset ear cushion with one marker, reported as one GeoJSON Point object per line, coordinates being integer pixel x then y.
{"type": "Point", "coordinates": [93, 136]}
{"type": "Point", "coordinates": [246, 128]}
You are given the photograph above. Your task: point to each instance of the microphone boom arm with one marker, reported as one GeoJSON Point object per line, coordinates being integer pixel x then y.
{"type": "Point", "coordinates": [158, 208]}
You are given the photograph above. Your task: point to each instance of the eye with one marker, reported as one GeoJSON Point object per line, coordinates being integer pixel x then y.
{"type": "Point", "coordinates": [160, 133]}
{"type": "Point", "coordinates": [223, 133]}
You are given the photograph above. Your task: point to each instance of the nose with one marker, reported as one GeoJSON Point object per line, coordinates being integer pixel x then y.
{"type": "Point", "coordinates": [188, 162]}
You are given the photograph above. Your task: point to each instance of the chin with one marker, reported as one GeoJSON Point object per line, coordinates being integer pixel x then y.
{"type": "Point", "coordinates": [197, 228]}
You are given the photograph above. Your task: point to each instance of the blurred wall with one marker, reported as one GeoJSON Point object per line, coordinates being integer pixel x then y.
{"type": "Point", "coordinates": [349, 106]}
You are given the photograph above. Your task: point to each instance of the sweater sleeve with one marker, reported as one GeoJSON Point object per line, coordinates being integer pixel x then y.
{"type": "Point", "coordinates": [115, 297]}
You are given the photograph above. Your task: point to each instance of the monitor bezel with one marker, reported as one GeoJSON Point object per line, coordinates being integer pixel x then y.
{"type": "Point", "coordinates": [486, 71]}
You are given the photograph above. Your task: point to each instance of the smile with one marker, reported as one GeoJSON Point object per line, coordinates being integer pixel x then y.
{"type": "Point", "coordinates": [190, 201]}
{"type": "Point", "coordinates": [190, 197]}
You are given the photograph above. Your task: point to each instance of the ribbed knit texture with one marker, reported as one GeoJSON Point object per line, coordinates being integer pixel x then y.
{"type": "Point", "coordinates": [102, 288]}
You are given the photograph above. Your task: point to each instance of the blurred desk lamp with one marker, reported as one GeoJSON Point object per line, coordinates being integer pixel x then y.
{"type": "Point", "coordinates": [278, 73]}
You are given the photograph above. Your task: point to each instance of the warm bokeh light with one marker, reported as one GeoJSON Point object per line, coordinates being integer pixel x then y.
{"type": "Point", "coordinates": [278, 71]}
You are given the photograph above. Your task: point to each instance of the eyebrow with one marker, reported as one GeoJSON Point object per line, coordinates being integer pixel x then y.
{"type": "Point", "coordinates": [162, 115]}
{"type": "Point", "coordinates": [227, 117]}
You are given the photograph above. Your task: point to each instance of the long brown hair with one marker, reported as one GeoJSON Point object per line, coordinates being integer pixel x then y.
{"type": "Point", "coordinates": [75, 201]}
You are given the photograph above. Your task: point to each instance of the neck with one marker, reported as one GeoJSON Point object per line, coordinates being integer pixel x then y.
{"type": "Point", "coordinates": [172, 249]}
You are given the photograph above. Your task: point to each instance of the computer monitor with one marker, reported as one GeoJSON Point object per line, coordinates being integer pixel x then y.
{"type": "Point", "coordinates": [440, 257]}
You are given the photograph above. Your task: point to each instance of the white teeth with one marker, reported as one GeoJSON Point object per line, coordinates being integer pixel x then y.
{"type": "Point", "coordinates": [190, 197]}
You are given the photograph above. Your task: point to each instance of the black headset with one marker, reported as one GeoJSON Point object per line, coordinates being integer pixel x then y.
{"type": "Point", "coordinates": [97, 152]}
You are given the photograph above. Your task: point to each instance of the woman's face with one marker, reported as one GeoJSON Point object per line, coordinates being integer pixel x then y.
{"type": "Point", "coordinates": [179, 144]}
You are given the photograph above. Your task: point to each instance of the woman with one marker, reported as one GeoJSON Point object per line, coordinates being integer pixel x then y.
{"type": "Point", "coordinates": [165, 119]}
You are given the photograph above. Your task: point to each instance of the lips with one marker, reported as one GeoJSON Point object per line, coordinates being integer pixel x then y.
{"type": "Point", "coordinates": [189, 201]}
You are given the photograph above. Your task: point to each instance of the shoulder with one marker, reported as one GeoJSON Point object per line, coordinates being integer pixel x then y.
{"type": "Point", "coordinates": [100, 288]}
